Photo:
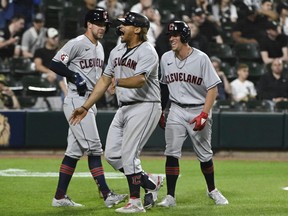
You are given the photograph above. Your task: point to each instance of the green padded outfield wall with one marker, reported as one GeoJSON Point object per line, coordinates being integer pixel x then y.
{"type": "Point", "coordinates": [285, 131]}
{"type": "Point", "coordinates": [230, 131]}
{"type": "Point", "coordinates": [46, 130]}
{"type": "Point", "coordinates": [242, 130]}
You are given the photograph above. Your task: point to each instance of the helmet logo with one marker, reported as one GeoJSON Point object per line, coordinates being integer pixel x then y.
{"type": "Point", "coordinates": [171, 27]}
{"type": "Point", "coordinates": [105, 15]}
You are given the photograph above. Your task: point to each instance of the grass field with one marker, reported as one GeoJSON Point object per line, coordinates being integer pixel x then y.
{"type": "Point", "coordinates": [252, 188]}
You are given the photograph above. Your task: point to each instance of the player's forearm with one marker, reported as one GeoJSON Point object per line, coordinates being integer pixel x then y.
{"type": "Point", "coordinates": [98, 91]}
{"type": "Point", "coordinates": [27, 54]}
{"type": "Point", "coordinates": [131, 82]}
{"type": "Point", "coordinates": [42, 69]}
{"type": "Point", "coordinates": [210, 99]}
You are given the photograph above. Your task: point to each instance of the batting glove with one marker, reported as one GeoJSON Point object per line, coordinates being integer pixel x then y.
{"type": "Point", "coordinates": [200, 121]}
{"type": "Point", "coordinates": [162, 121]}
{"type": "Point", "coordinates": [80, 83]}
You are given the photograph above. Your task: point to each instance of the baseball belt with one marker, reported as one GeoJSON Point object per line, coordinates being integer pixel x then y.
{"type": "Point", "coordinates": [187, 105]}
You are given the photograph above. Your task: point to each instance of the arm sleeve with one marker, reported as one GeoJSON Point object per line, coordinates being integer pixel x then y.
{"type": "Point", "coordinates": [164, 95]}
{"type": "Point", "coordinates": [60, 69]}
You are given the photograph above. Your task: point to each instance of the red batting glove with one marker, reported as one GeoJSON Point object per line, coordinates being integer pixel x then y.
{"type": "Point", "coordinates": [162, 121]}
{"type": "Point", "coordinates": [200, 121]}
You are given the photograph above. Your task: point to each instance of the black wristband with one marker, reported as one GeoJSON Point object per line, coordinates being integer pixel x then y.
{"type": "Point", "coordinates": [84, 108]}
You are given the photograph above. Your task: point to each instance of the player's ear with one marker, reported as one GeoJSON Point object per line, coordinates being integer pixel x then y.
{"type": "Point", "coordinates": [137, 30]}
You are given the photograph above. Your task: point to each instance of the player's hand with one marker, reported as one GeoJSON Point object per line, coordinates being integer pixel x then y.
{"type": "Point", "coordinates": [162, 121]}
{"type": "Point", "coordinates": [200, 121]}
{"type": "Point", "coordinates": [80, 84]}
{"type": "Point", "coordinates": [77, 115]}
{"type": "Point", "coordinates": [111, 89]}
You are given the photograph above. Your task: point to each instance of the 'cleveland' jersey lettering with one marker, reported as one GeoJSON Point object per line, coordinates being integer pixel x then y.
{"type": "Point", "coordinates": [183, 77]}
{"type": "Point", "coordinates": [89, 63]}
{"type": "Point", "coordinates": [130, 63]}
{"type": "Point", "coordinates": [188, 80]}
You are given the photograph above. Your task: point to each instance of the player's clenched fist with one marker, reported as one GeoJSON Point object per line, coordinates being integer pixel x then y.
{"type": "Point", "coordinates": [77, 115]}
{"type": "Point", "coordinates": [199, 121]}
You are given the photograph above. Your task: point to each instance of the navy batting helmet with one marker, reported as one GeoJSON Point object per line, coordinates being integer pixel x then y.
{"type": "Point", "coordinates": [135, 19]}
{"type": "Point", "coordinates": [99, 15]}
{"type": "Point", "coordinates": [179, 28]}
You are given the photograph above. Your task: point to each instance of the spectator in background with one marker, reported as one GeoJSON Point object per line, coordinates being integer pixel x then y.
{"type": "Point", "coordinates": [27, 8]}
{"type": "Point", "coordinates": [3, 7]}
{"type": "Point", "coordinates": [138, 7]}
{"type": "Point", "coordinates": [273, 85]}
{"type": "Point", "coordinates": [197, 40]}
{"type": "Point", "coordinates": [206, 27]}
{"type": "Point", "coordinates": [8, 100]}
{"type": "Point", "coordinates": [205, 5]}
{"type": "Point", "coordinates": [266, 10]}
{"type": "Point", "coordinates": [224, 12]}
{"type": "Point", "coordinates": [273, 45]}
{"type": "Point", "coordinates": [162, 44]}
{"type": "Point", "coordinates": [250, 29]}
{"type": "Point", "coordinates": [10, 38]}
{"type": "Point", "coordinates": [114, 8]}
{"type": "Point", "coordinates": [155, 25]}
{"type": "Point", "coordinates": [42, 60]}
{"type": "Point", "coordinates": [243, 90]}
{"type": "Point", "coordinates": [224, 88]}
{"type": "Point", "coordinates": [87, 5]}
{"type": "Point", "coordinates": [282, 10]}
{"type": "Point", "coordinates": [34, 37]}
{"type": "Point", "coordinates": [44, 55]}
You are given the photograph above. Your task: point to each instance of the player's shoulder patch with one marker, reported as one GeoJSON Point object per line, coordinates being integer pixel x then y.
{"type": "Point", "coordinates": [64, 57]}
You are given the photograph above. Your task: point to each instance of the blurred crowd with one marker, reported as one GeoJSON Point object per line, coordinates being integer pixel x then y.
{"type": "Point", "coordinates": [31, 32]}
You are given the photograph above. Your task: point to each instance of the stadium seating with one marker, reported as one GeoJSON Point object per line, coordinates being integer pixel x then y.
{"type": "Point", "coordinates": [21, 66]}
{"type": "Point", "coordinates": [281, 106]}
{"type": "Point", "coordinates": [222, 51]}
{"type": "Point", "coordinates": [230, 71]}
{"type": "Point", "coordinates": [247, 52]}
{"type": "Point", "coordinates": [4, 66]}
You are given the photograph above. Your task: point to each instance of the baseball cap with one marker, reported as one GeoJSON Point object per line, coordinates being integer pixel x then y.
{"type": "Point", "coordinates": [215, 59]}
{"type": "Point", "coordinates": [272, 25]}
{"type": "Point", "coordinates": [3, 79]}
{"type": "Point", "coordinates": [198, 11]}
{"type": "Point", "coordinates": [39, 17]}
{"type": "Point", "coordinates": [52, 32]}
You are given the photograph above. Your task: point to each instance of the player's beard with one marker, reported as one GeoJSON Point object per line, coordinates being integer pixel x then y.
{"type": "Point", "coordinates": [98, 35]}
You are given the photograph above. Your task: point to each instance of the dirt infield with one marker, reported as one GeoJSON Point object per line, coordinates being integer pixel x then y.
{"type": "Point", "coordinates": [220, 155]}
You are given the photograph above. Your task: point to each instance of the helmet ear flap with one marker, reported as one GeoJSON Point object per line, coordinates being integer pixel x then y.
{"type": "Point", "coordinates": [183, 39]}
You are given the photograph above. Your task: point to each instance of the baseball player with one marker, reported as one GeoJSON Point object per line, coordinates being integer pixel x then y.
{"type": "Point", "coordinates": [192, 84]}
{"type": "Point", "coordinates": [80, 60]}
{"type": "Point", "coordinates": [134, 65]}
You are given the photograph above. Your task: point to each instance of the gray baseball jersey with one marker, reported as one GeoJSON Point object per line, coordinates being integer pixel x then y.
{"type": "Point", "coordinates": [82, 56]}
{"type": "Point", "coordinates": [188, 82]}
{"type": "Point", "coordinates": [133, 124]}
{"type": "Point", "coordinates": [140, 60]}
